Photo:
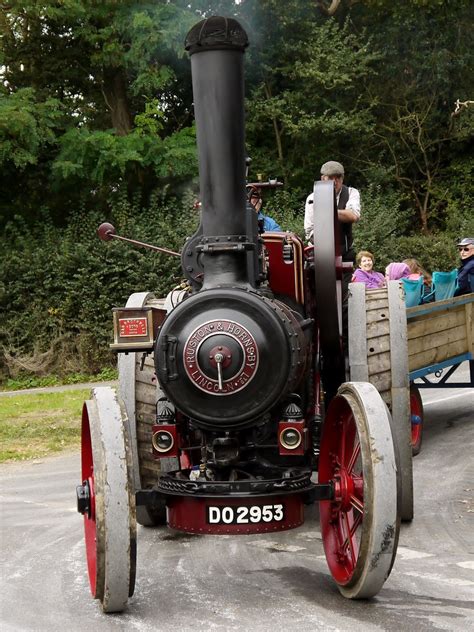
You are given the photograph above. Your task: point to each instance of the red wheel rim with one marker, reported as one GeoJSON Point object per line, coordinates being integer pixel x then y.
{"type": "Point", "coordinates": [341, 518]}
{"type": "Point", "coordinates": [87, 463]}
{"type": "Point", "coordinates": [416, 415]}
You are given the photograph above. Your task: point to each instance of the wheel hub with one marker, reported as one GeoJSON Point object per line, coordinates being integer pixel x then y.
{"type": "Point", "coordinates": [344, 489]}
{"type": "Point", "coordinates": [84, 499]}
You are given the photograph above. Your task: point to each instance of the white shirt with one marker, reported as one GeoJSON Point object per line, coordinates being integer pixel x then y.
{"type": "Point", "coordinates": [353, 203]}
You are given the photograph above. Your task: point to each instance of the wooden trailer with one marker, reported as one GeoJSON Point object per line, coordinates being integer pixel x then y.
{"type": "Point", "coordinates": [440, 335]}
{"type": "Point", "coordinates": [391, 346]}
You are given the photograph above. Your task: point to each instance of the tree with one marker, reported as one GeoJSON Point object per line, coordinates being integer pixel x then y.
{"type": "Point", "coordinates": [103, 83]}
{"type": "Point", "coordinates": [425, 60]}
{"type": "Point", "coordinates": [305, 107]}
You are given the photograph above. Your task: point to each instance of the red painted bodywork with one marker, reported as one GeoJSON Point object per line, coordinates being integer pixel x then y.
{"type": "Point", "coordinates": [286, 277]}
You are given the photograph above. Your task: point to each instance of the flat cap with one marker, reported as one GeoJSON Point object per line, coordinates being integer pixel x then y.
{"type": "Point", "coordinates": [332, 168]}
{"type": "Point", "coordinates": [467, 241]}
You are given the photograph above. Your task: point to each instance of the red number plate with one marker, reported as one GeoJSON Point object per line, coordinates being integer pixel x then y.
{"type": "Point", "coordinates": [131, 327]}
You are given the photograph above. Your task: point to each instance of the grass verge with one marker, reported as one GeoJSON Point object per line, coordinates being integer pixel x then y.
{"type": "Point", "coordinates": [33, 381]}
{"type": "Point", "coordinates": [33, 426]}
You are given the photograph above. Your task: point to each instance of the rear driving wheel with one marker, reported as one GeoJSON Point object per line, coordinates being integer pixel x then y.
{"type": "Point", "coordinates": [327, 287]}
{"type": "Point", "coordinates": [417, 418]}
{"type": "Point", "coordinates": [360, 525]}
{"type": "Point", "coordinates": [106, 499]}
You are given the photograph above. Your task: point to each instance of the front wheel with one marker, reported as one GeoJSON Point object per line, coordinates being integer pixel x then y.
{"type": "Point", "coordinates": [360, 526]}
{"type": "Point", "coordinates": [107, 501]}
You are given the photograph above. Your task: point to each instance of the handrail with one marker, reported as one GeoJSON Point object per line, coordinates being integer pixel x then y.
{"type": "Point", "coordinates": [429, 308]}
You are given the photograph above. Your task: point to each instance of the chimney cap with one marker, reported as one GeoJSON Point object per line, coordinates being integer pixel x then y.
{"type": "Point", "coordinates": [216, 33]}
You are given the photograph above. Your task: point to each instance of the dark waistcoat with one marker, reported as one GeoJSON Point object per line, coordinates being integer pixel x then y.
{"type": "Point", "coordinates": [345, 228]}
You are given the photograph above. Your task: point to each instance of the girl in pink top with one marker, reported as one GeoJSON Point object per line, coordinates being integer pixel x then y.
{"type": "Point", "coordinates": [396, 271]}
{"type": "Point", "coordinates": [418, 271]}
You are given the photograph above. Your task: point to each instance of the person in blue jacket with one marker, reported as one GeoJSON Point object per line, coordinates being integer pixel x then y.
{"type": "Point", "coordinates": [466, 269]}
{"type": "Point", "coordinates": [265, 222]}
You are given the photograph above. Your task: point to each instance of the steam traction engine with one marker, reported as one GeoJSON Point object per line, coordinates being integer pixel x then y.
{"type": "Point", "coordinates": [252, 417]}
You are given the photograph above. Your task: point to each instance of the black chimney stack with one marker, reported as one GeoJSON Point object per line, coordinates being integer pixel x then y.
{"type": "Point", "coordinates": [216, 46]}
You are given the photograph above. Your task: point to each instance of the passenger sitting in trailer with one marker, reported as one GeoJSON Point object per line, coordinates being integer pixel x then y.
{"type": "Point", "coordinates": [417, 271]}
{"type": "Point", "coordinates": [465, 279]}
{"type": "Point", "coordinates": [365, 272]}
{"type": "Point", "coordinates": [396, 271]}
{"type": "Point", "coordinates": [265, 222]}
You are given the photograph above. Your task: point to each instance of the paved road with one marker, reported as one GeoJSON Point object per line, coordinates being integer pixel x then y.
{"type": "Point", "coordinates": [219, 583]}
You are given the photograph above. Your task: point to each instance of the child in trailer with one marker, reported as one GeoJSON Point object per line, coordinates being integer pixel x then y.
{"type": "Point", "coordinates": [417, 271]}
{"type": "Point", "coordinates": [396, 271]}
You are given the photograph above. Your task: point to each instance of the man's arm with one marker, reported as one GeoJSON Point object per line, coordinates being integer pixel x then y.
{"type": "Point", "coordinates": [351, 213]}
{"type": "Point", "coordinates": [347, 216]}
{"type": "Point", "coordinates": [308, 217]}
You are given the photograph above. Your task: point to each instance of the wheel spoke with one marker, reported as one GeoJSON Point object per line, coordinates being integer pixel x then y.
{"type": "Point", "coordinates": [348, 437]}
{"type": "Point", "coordinates": [354, 457]}
{"type": "Point", "coordinates": [358, 504]}
{"type": "Point", "coordinates": [352, 523]}
{"type": "Point", "coordinates": [341, 537]}
{"type": "Point", "coordinates": [357, 521]}
{"type": "Point", "coordinates": [349, 542]}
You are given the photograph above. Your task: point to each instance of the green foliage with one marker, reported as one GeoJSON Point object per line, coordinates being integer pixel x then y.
{"type": "Point", "coordinates": [435, 252]}
{"type": "Point", "coordinates": [62, 283]}
{"type": "Point", "coordinates": [426, 54]}
{"type": "Point", "coordinates": [383, 229]}
{"type": "Point", "coordinates": [96, 156]}
{"type": "Point", "coordinates": [286, 209]}
{"type": "Point", "coordinates": [179, 157]}
{"type": "Point", "coordinates": [307, 106]}
{"type": "Point", "coordinates": [102, 157]}
{"type": "Point", "coordinates": [110, 107]}
{"type": "Point", "coordinates": [454, 195]}
{"type": "Point", "coordinates": [93, 97]}
{"type": "Point", "coordinates": [25, 380]}
{"type": "Point", "coordinates": [26, 128]}
{"type": "Point", "coordinates": [382, 221]}
{"type": "Point", "coordinates": [151, 120]}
